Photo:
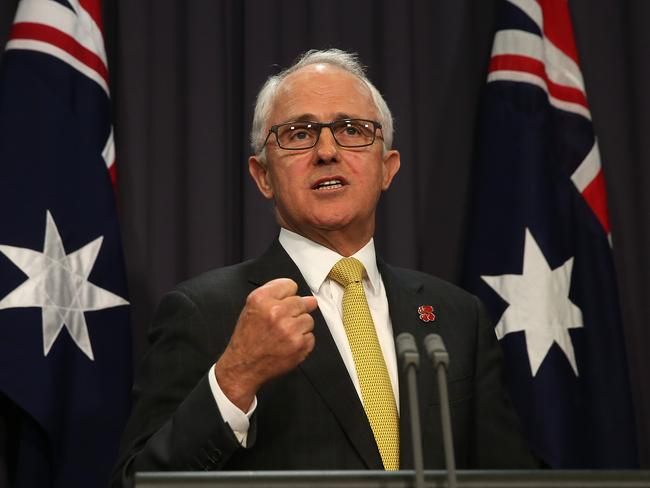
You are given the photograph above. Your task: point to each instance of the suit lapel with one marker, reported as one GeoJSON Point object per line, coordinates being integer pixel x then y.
{"type": "Point", "coordinates": [324, 367]}
{"type": "Point", "coordinates": [404, 297]}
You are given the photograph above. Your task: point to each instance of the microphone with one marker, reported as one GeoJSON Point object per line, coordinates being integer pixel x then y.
{"type": "Point", "coordinates": [436, 350]}
{"type": "Point", "coordinates": [408, 355]}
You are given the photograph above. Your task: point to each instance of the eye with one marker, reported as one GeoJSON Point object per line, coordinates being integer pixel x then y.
{"type": "Point", "coordinates": [351, 130]}
{"type": "Point", "coordinates": [296, 132]}
{"type": "Point", "coordinates": [299, 134]}
{"type": "Point", "coordinates": [354, 129]}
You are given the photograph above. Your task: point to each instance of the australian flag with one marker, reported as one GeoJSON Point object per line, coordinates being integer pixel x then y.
{"type": "Point", "coordinates": [65, 352]}
{"type": "Point", "coordinates": [540, 246]}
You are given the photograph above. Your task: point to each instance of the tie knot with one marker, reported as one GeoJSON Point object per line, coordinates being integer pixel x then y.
{"type": "Point", "coordinates": [346, 271]}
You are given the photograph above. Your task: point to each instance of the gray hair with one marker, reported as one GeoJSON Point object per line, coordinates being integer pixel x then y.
{"type": "Point", "coordinates": [346, 61]}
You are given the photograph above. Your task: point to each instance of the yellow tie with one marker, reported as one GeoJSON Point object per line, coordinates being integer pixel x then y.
{"type": "Point", "coordinates": [376, 389]}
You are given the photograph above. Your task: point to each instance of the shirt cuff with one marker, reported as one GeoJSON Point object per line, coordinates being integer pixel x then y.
{"type": "Point", "coordinates": [238, 421]}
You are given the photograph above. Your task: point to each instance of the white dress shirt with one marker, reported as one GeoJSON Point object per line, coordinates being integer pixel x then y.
{"type": "Point", "coordinates": [315, 262]}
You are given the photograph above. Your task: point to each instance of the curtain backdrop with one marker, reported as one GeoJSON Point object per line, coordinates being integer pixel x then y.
{"type": "Point", "coordinates": [184, 77]}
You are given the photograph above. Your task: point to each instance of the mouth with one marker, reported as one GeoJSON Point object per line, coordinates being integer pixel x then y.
{"type": "Point", "coordinates": [328, 184]}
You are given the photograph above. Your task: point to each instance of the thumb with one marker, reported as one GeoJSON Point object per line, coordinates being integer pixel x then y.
{"type": "Point", "coordinates": [310, 303]}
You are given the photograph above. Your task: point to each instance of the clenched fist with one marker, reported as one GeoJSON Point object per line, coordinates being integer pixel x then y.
{"type": "Point", "coordinates": [272, 336]}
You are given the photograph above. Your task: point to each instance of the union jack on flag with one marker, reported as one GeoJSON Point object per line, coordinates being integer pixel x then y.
{"type": "Point", "coordinates": [65, 349]}
{"type": "Point", "coordinates": [71, 31]}
{"type": "Point", "coordinates": [539, 248]}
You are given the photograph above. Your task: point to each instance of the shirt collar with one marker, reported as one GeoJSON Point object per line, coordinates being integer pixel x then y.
{"type": "Point", "coordinates": [316, 261]}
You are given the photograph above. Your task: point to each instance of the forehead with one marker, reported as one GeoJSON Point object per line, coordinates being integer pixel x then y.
{"type": "Point", "coordinates": [323, 92]}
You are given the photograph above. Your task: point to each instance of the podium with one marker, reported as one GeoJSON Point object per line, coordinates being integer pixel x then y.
{"type": "Point", "coordinates": [395, 479]}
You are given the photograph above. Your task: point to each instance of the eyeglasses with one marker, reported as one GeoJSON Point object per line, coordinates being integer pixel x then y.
{"type": "Point", "coordinates": [305, 135]}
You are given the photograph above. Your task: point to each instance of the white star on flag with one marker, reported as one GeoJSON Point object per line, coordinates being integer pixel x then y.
{"type": "Point", "coordinates": [58, 283]}
{"type": "Point", "coordinates": [539, 305]}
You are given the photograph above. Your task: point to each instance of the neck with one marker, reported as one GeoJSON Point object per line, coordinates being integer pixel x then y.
{"type": "Point", "coordinates": [342, 241]}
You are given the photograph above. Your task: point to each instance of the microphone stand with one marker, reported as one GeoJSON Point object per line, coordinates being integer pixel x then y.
{"type": "Point", "coordinates": [408, 354]}
{"type": "Point", "coordinates": [438, 353]}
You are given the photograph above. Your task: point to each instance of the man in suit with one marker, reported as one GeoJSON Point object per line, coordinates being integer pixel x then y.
{"type": "Point", "coordinates": [256, 366]}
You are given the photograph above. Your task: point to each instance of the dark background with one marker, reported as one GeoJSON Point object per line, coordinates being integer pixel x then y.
{"type": "Point", "coordinates": [184, 77]}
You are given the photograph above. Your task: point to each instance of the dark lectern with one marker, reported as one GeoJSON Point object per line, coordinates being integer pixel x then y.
{"type": "Point", "coordinates": [398, 479]}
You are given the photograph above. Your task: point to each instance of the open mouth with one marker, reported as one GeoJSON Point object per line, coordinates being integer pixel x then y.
{"type": "Point", "coordinates": [329, 184]}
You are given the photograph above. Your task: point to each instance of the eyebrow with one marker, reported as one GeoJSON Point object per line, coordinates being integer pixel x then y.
{"type": "Point", "coordinates": [309, 117]}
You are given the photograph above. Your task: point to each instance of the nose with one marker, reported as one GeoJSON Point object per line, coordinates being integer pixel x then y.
{"type": "Point", "coordinates": [327, 149]}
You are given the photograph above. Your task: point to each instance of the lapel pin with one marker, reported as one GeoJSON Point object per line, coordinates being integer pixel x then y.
{"type": "Point", "coordinates": [426, 313]}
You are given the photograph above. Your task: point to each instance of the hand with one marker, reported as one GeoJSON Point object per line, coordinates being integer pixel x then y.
{"type": "Point", "coordinates": [272, 336]}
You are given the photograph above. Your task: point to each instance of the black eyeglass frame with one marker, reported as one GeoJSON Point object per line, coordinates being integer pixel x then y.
{"type": "Point", "coordinates": [319, 126]}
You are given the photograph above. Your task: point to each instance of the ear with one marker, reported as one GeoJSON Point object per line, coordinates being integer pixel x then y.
{"type": "Point", "coordinates": [391, 164]}
{"type": "Point", "coordinates": [260, 173]}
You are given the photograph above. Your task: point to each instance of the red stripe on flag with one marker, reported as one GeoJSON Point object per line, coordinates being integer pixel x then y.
{"type": "Point", "coordinates": [596, 198]}
{"type": "Point", "coordinates": [567, 93]}
{"type": "Point", "coordinates": [514, 62]}
{"type": "Point", "coordinates": [112, 171]}
{"type": "Point", "coordinates": [557, 26]}
{"type": "Point", "coordinates": [94, 8]}
{"type": "Point", "coordinates": [50, 35]}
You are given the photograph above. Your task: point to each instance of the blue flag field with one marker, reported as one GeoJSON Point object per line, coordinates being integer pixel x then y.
{"type": "Point", "coordinates": [65, 346]}
{"type": "Point", "coordinates": [539, 251]}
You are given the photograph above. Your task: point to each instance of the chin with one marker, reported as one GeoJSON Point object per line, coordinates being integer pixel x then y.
{"type": "Point", "coordinates": [331, 222]}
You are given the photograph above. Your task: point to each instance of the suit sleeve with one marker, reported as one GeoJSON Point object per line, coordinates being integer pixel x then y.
{"type": "Point", "coordinates": [175, 423]}
{"type": "Point", "coordinates": [498, 438]}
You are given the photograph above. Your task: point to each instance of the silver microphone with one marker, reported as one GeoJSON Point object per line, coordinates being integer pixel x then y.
{"type": "Point", "coordinates": [407, 353]}
{"type": "Point", "coordinates": [436, 350]}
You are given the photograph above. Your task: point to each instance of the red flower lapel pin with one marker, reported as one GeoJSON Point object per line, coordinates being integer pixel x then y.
{"type": "Point", "coordinates": [426, 313]}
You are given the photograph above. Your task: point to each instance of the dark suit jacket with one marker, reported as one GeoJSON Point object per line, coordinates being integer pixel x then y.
{"type": "Point", "coordinates": [312, 418]}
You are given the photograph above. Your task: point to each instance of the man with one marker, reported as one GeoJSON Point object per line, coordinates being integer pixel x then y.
{"type": "Point", "coordinates": [262, 365]}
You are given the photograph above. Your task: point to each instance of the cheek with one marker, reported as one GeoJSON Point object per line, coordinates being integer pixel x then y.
{"type": "Point", "coordinates": [375, 179]}
{"type": "Point", "coordinates": [286, 187]}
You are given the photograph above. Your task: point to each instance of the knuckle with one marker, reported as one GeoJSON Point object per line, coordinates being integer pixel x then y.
{"type": "Point", "coordinates": [309, 321]}
{"type": "Point", "coordinates": [276, 313]}
{"type": "Point", "coordinates": [296, 305]}
{"type": "Point", "coordinates": [283, 285]}
{"type": "Point", "coordinates": [306, 322]}
{"type": "Point", "coordinates": [310, 342]}
{"type": "Point", "coordinates": [292, 286]}
{"type": "Point", "coordinates": [295, 341]}
{"type": "Point", "coordinates": [254, 299]}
